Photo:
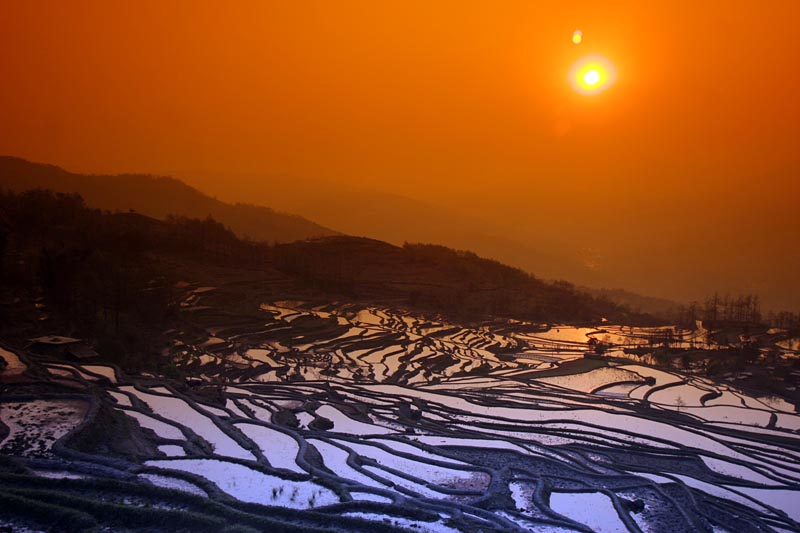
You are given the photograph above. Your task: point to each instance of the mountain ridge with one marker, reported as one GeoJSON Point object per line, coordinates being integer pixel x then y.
{"type": "Point", "coordinates": [162, 196]}
{"type": "Point", "coordinates": [158, 197]}
{"type": "Point", "coordinates": [397, 218]}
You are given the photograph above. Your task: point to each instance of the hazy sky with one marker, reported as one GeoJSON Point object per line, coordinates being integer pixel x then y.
{"type": "Point", "coordinates": [464, 103]}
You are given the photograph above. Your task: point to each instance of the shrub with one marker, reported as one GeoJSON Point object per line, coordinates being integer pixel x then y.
{"type": "Point", "coordinates": [321, 423]}
{"type": "Point", "coordinates": [285, 417]}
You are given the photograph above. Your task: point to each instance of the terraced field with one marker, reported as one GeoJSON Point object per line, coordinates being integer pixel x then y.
{"type": "Point", "coordinates": [342, 417]}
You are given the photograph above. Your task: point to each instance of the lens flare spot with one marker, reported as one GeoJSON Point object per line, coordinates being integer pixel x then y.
{"type": "Point", "coordinates": [577, 37]}
{"type": "Point", "coordinates": [592, 75]}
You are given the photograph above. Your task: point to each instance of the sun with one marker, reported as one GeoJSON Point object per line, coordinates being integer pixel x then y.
{"type": "Point", "coordinates": [592, 75]}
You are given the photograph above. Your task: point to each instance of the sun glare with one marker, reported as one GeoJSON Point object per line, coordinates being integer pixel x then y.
{"type": "Point", "coordinates": [592, 75]}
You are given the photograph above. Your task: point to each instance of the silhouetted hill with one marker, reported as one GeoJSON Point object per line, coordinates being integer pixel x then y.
{"type": "Point", "coordinates": [436, 278]}
{"type": "Point", "coordinates": [157, 197]}
{"type": "Point", "coordinates": [396, 218]}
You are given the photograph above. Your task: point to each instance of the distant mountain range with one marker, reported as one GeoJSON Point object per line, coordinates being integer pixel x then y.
{"type": "Point", "coordinates": [685, 242]}
{"type": "Point", "coordinates": [396, 218]}
{"type": "Point", "coordinates": [158, 197]}
{"type": "Point", "coordinates": [351, 210]}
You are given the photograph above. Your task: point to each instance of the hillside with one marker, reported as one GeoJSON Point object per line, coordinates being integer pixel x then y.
{"type": "Point", "coordinates": [85, 261]}
{"type": "Point", "coordinates": [158, 197]}
{"type": "Point", "coordinates": [397, 218]}
{"type": "Point", "coordinates": [431, 277]}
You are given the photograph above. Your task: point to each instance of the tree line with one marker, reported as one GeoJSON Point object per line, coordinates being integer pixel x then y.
{"type": "Point", "coordinates": [742, 308]}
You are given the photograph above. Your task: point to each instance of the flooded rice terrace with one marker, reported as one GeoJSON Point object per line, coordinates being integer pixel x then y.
{"type": "Point", "coordinates": [374, 416]}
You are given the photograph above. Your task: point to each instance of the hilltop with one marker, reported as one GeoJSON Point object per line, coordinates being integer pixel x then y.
{"type": "Point", "coordinates": [158, 197]}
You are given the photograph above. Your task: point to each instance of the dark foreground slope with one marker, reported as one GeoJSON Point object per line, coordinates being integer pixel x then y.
{"type": "Point", "coordinates": [157, 197]}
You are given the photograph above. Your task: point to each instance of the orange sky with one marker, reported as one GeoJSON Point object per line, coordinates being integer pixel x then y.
{"type": "Point", "coordinates": [463, 103]}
